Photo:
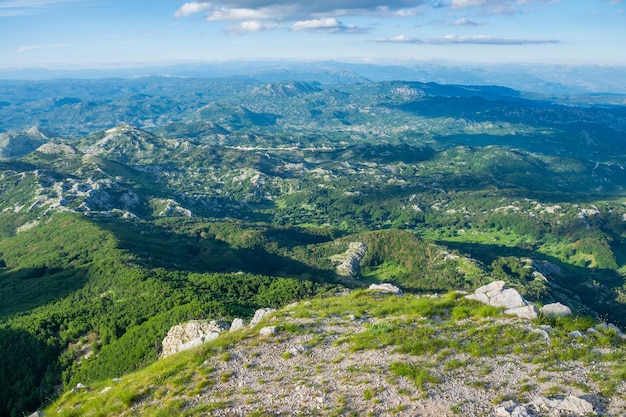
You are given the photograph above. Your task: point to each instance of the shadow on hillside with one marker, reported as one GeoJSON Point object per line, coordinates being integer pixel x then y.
{"type": "Point", "coordinates": [192, 247]}
{"type": "Point", "coordinates": [596, 288]}
{"type": "Point", "coordinates": [26, 376]}
{"type": "Point", "coordinates": [28, 288]}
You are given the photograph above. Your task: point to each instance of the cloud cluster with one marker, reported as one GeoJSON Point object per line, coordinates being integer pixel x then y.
{"type": "Point", "coordinates": [322, 16]}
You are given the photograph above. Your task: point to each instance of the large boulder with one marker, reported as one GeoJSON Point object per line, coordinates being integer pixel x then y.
{"type": "Point", "coordinates": [496, 294]}
{"type": "Point", "coordinates": [385, 288]}
{"type": "Point", "coordinates": [191, 334]}
{"type": "Point", "coordinates": [528, 312]}
{"type": "Point", "coordinates": [260, 314]}
{"type": "Point", "coordinates": [556, 310]}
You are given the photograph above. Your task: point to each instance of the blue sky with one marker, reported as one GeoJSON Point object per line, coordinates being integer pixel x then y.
{"type": "Point", "coordinates": [92, 33]}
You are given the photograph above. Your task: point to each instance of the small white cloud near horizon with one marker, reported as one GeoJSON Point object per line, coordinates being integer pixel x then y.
{"type": "Point", "coordinates": [325, 25]}
{"type": "Point", "coordinates": [27, 48]}
{"type": "Point", "coordinates": [26, 7]}
{"type": "Point", "coordinates": [466, 22]}
{"type": "Point", "coordinates": [471, 39]}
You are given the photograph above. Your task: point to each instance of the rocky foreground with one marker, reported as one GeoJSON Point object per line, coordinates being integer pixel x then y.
{"type": "Point", "coordinates": [373, 353]}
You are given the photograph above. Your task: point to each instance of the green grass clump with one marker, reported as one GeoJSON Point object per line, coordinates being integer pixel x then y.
{"type": "Point", "coordinates": [419, 376]}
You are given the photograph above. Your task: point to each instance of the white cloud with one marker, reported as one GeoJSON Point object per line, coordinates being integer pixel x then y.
{"type": "Point", "coordinates": [318, 15]}
{"type": "Point", "coordinates": [25, 7]}
{"type": "Point", "coordinates": [249, 26]}
{"type": "Point", "coordinates": [192, 8]}
{"type": "Point", "coordinates": [325, 25]}
{"type": "Point", "coordinates": [466, 22]}
{"type": "Point", "coordinates": [26, 48]}
{"type": "Point", "coordinates": [228, 14]}
{"type": "Point", "coordinates": [472, 39]}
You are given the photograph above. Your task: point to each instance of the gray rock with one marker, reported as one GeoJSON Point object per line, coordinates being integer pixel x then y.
{"type": "Point", "coordinates": [576, 334]}
{"type": "Point", "coordinates": [236, 325]}
{"type": "Point", "coordinates": [495, 286]}
{"type": "Point", "coordinates": [297, 350]}
{"type": "Point", "coordinates": [480, 297]}
{"type": "Point", "coordinates": [37, 414]}
{"type": "Point", "coordinates": [556, 310]}
{"type": "Point", "coordinates": [508, 298]}
{"type": "Point", "coordinates": [349, 260]}
{"type": "Point", "coordinates": [570, 404]}
{"type": "Point", "coordinates": [260, 314]}
{"type": "Point", "coordinates": [542, 333]}
{"type": "Point", "coordinates": [386, 288]}
{"type": "Point", "coordinates": [496, 294]}
{"type": "Point", "coordinates": [191, 334]}
{"type": "Point", "coordinates": [267, 331]}
{"type": "Point", "coordinates": [526, 312]}
{"type": "Point", "coordinates": [511, 409]}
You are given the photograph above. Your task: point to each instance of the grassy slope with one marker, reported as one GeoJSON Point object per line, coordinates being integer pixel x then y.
{"type": "Point", "coordinates": [374, 354]}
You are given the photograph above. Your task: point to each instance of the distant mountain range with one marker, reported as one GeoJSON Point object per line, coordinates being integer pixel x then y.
{"type": "Point", "coordinates": [537, 78]}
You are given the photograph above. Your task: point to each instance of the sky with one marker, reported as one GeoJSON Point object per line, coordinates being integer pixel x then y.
{"type": "Point", "coordinates": [110, 33]}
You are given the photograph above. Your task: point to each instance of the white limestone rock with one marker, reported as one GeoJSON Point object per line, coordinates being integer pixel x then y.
{"type": "Point", "coordinates": [386, 288]}
{"type": "Point", "coordinates": [267, 331]}
{"type": "Point", "coordinates": [496, 294]}
{"type": "Point", "coordinates": [556, 310]}
{"type": "Point", "coordinates": [191, 334]}
{"type": "Point", "coordinates": [508, 298]}
{"type": "Point", "coordinates": [571, 404]}
{"type": "Point", "coordinates": [528, 312]}
{"type": "Point", "coordinates": [494, 287]}
{"type": "Point", "coordinates": [236, 325]}
{"type": "Point", "coordinates": [260, 314]}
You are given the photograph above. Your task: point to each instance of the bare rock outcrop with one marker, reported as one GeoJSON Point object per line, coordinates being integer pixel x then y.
{"type": "Point", "coordinates": [498, 295]}
{"type": "Point", "coordinates": [191, 334]}
{"type": "Point", "coordinates": [349, 260]}
{"type": "Point", "coordinates": [570, 406]}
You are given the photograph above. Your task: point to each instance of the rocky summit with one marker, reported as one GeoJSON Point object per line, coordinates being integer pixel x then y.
{"type": "Point", "coordinates": [375, 353]}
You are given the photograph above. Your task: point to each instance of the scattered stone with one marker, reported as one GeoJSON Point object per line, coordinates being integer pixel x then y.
{"type": "Point", "coordinates": [528, 312]}
{"type": "Point", "coordinates": [386, 288]}
{"type": "Point", "coordinates": [236, 325]}
{"type": "Point", "coordinates": [79, 387]}
{"type": "Point", "coordinates": [542, 333]}
{"type": "Point", "coordinates": [571, 404]}
{"type": "Point", "coordinates": [267, 331]}
{"type": "Point", "coordinates": [37, 414]}
{"type": "Point", "coordinates": [297, 350]}
{"type": "Point", "coordinates": [511, 409]}
{"type": "Point", "coordinates": [260, 314]}
{"type": "Point", "coordinates": [576, 334]}
{"type": "Point", "coordinates": [609, 326]}
{"type": "Point", "coordinates": [556, 310]}
{"type": "Point", "coordinates": [117, 379]}
{"type": "Point", "coordinates": [191, 334]}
